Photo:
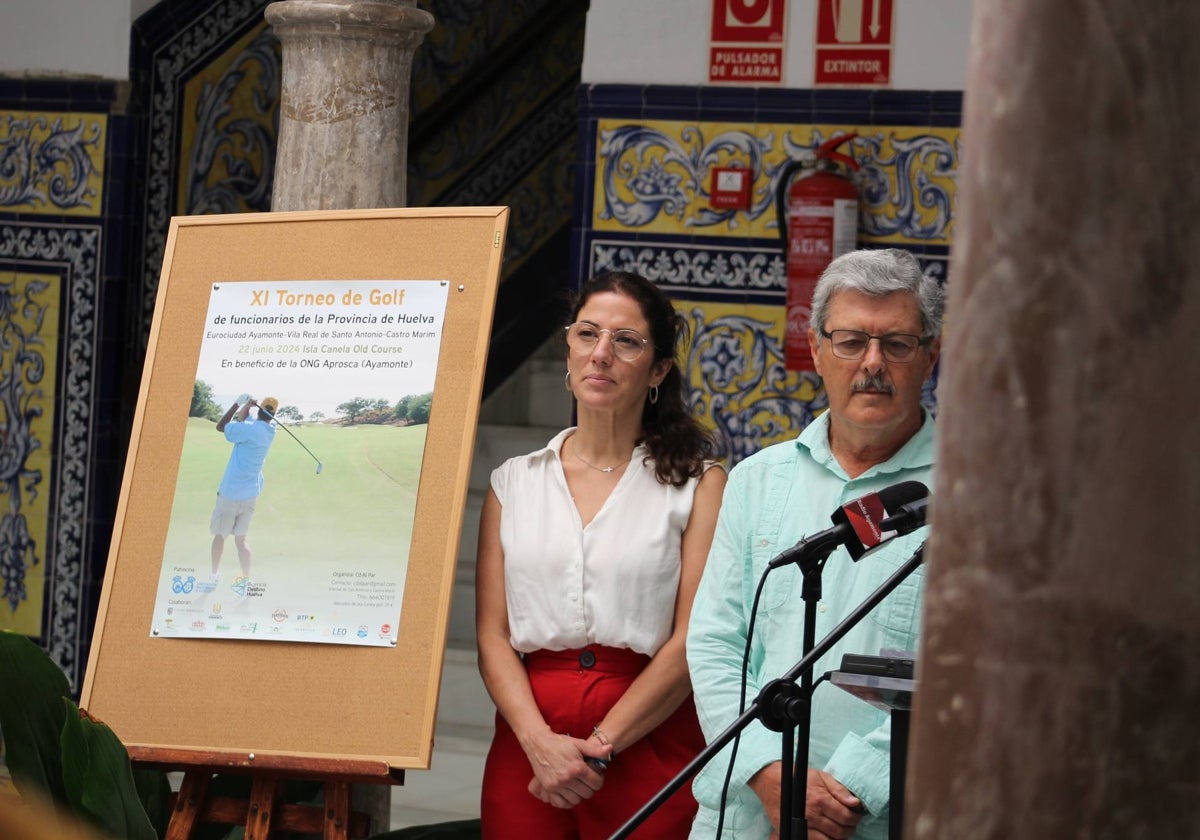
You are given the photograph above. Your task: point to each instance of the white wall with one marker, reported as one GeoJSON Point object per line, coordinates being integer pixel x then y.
{"type": "Point", "coordinates": [666, 42]}
{"type": "Point", "coordinates": [67, 37]}
{"type": "Point", "coordinates": [627, 41]}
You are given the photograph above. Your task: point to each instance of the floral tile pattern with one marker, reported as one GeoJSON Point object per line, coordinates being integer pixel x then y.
{"type": "Point", "coordinates": [52, 162]}
{"type": "Point", "coordinates": [63, 219]}
{"type": "Point", "coordinates": [48, 287]}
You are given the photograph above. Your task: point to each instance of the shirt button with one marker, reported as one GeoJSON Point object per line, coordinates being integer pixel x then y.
{"type": "Point", "coordinates": [764, 542]}
{"type": "Point", "coordinates": [822, 607]}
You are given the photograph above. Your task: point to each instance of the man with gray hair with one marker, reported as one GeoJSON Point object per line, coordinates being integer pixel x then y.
{"type": "Point", "coordinates": [875, 337]}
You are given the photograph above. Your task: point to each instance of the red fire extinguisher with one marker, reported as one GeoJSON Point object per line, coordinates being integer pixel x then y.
{"type": "Point", "coordinates": [821, 210]}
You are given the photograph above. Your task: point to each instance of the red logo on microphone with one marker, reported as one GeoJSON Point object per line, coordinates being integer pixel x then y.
{"type": "Point", "coordinates": [864, 516]}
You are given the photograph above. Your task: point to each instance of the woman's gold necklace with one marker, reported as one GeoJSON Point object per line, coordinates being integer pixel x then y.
{"type": "Point", "coordinates": [588, 463]}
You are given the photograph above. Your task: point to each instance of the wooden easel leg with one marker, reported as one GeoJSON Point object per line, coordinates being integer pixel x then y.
{"type": "Point", "coordinates": [263, 796]}
{"type": "Point", "coordinates": [337, 810]}
{"type": "Point", "coordinates": [266, 809]}
{"type": "Point", "coordinates": [188, 804]}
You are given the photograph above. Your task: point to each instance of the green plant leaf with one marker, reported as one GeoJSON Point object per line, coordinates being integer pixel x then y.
{"type": "Point", "coordinates": [99, 780]}
{"type": "Point", "coordinates": [154, 790]}
{"type": "Point", "coordinates": [77, 762]}
{"type": "Point", "coordinates": [31, 715]}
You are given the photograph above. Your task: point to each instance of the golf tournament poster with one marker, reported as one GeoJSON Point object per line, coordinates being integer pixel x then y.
{"type": "Point", "coordinates": [309, 540]}
{"type": "Point", "coordinates": [353, 484]}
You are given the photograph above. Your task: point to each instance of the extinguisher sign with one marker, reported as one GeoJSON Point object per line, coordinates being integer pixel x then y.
{"type": "Point", "coordinates": [854, 43]}
{"type": "Point", "coordinates": [747, 42]}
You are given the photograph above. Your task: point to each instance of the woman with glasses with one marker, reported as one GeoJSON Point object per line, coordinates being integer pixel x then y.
{"type": "Point", "coordinates": [590, 551]}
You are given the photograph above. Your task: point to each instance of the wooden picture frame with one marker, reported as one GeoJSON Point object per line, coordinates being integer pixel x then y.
{"type": "Point", "coordinates": [287, 700]}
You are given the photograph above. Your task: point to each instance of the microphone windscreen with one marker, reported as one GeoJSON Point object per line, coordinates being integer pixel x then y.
{"type": "Point", "coordinates": [901, 494]}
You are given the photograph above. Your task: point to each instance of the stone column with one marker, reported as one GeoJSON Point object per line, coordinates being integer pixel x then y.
{"type": "Point", "coordinates": [1059, 677]}
{"type": "Point", "coordinates": [343, 122]}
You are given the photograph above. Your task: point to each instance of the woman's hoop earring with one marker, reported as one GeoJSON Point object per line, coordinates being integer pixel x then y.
{"type": "Point", "coordinates": [653, 394]}
{"type": "Point", "coordinates": [568, 381]}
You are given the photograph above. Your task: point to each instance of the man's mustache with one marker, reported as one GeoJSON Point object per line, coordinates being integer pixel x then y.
{"type": "Point", "coordinates": [874, 383]}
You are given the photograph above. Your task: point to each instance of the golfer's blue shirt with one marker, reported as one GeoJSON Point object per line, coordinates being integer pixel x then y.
{"type": "Point", "coordinates": [251, 441]}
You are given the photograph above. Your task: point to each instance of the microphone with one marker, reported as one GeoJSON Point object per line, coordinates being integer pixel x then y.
{"type": "Point", "coordinates": [907, 518]}
{"type": "Point", "coordinates": [858, 524]}
{"type": "Point", "coordinates": [869, 515]}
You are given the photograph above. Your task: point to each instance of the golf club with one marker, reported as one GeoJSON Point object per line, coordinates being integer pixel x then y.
{"type": "Point", "coordinates": [290, 432]}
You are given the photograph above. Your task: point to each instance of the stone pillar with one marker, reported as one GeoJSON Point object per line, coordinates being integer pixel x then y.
{"type": "Point", "coordinates": [343, 122]}
{"type": "Point", "coordinates": [1059, 676]}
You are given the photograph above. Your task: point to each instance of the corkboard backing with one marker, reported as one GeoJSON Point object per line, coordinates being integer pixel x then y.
{"type": "Point", "coordinates": [311, 700]}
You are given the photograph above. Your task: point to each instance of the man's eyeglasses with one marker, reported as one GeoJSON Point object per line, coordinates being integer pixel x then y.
{"type": "Point", "coordinates": [852, 344]}
{"type": "Point", "coordinates": [627, 345]}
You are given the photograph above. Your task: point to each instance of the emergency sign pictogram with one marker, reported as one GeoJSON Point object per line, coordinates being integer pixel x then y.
{"type": "Point", "coordinates": [746, 44]}
{"type": "Point", "coordinates": [854, 43]}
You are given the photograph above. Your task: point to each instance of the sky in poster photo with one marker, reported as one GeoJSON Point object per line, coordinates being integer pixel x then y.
{"type": "Point", "coordinates": [329, 536]}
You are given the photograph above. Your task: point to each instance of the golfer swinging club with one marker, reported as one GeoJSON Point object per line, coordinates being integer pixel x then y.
{"type": "Point", "coordinates": [242, 482]}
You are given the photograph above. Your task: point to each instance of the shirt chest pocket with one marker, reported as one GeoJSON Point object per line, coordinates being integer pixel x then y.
{"type": "Point", "coordinates": [899, 612]}
{"type": "Point", "coordinates": [777, 591]}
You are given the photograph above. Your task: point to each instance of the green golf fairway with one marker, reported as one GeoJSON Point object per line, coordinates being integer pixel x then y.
{"type": "Point", "coordinates": [358, 512]}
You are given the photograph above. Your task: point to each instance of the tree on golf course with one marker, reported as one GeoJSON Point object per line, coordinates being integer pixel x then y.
{"type": "Point", "coordinates": [414, 408]}
{"type": "Point", "coordinates": [203, 404]}
{"type": "Point", "coordinates": [353, 408]}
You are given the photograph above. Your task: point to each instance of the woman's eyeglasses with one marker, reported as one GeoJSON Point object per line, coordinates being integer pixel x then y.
{"type": "Point", "coordinates": [627, 345]}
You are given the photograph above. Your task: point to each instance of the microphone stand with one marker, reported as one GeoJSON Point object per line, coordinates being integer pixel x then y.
{"type": "Point", "coordinates": [779, 698]}
{"type": "Point", "coordinates": [796, 712]}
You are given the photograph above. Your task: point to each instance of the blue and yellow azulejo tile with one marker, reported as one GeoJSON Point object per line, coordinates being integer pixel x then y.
{"type": "Point", "coordinates": [655, 177]}
{"type": "Point", "coordinates": [739, 386]}
{"type": "Point", "coordinates": [228, 129]}
{"type": "Point", "coordinates": [29, 317]}
{"type": "Point", "coordinates": [52, 163]}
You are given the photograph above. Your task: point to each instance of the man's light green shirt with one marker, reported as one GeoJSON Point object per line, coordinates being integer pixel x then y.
{"type": "Point", "coordinates": [774, 499]}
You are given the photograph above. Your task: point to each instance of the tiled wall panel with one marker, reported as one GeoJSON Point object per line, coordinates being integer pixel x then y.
{"type": "Point", "coordinates": [63, 229]}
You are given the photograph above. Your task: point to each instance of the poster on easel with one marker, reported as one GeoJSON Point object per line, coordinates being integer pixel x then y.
{"type": "Point", "coordinates": [293, 508]}
{"type": "Point", "coordinates": [349, 348]}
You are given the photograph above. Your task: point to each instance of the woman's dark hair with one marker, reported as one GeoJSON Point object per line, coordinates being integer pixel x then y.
{"type": "Point", "coordinates": [677, 442]}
